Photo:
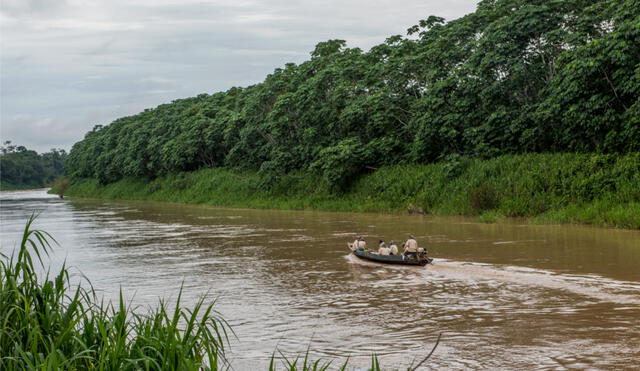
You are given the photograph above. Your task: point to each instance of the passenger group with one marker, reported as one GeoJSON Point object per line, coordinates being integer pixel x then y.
{"type": "Point", "coordinates": [410, 246]}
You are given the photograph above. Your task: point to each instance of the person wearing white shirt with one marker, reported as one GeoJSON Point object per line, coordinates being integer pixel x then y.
{"type": "Point", "coordinates": [393, 247]}
{"type": "Point", "coordinates": [383, 249]}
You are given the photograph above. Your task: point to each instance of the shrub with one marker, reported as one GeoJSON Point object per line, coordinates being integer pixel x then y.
{"type": "Point", "coordinates": [60, 186]}
{"type": "Point", "coordinates": [482, 197]}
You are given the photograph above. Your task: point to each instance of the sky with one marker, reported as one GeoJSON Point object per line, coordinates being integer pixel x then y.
{"type": "Point", "coordinates": [68, 65]}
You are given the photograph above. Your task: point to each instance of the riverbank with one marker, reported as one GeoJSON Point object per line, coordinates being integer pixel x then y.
{"type": "Point", "coordinates": [603, 190]}
{"type": "Point", "coordinates": [4, 186]}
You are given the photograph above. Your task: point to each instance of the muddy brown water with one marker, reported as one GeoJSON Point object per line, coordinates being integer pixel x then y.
{"type": "Point", "coordinates": [505, 296]}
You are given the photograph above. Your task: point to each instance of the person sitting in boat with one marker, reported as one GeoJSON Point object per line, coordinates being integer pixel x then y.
{"type": "Point", "coordinates": [383, 249]}
{"type": "Point", "coordinates": [359, 244]}
{"type": "Point", "coordinates": [411, 247]}
{"type": "Point", "coordinates": [393, 247]}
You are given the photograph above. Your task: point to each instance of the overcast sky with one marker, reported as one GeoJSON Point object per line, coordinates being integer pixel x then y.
{"type": "Point", "coordinates": [67, 65]}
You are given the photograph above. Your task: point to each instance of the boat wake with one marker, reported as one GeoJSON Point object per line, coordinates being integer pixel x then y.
{"type": "Point", "coordinates": [592, 286]}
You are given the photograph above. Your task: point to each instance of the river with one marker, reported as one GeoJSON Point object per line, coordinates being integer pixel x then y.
{"type": "Point", "coordinates": [505, 296]}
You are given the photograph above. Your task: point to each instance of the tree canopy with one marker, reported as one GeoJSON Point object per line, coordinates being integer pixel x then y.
{"type": "Point", "coordinates": [21, 167]}
{"type": "Point", "coordinates": [514, 76]}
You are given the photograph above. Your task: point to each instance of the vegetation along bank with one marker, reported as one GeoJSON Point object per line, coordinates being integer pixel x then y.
{"type": "Point", "coordinates": [472, 116]}
{"type": "Point", "coordinates": [567, 188]}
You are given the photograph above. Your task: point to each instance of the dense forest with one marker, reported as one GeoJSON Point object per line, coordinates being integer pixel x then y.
{"type": "Point", "coordinates": [515, 76]}
{"type": "Point", "coordinates": [23, 168]}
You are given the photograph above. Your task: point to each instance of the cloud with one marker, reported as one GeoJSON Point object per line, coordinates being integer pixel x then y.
{"type": "Point", "coordinates": [31, 8]}
{"type": "Point", "coordinates": [28, 130]}
{"type": "Point", "coordinates": [68, 65]}
{"type": "Point", "coordinates": [80, 25]}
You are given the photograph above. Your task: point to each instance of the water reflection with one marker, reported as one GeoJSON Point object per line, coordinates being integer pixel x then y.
{"type": "Point", "coordinates": [505, 295]}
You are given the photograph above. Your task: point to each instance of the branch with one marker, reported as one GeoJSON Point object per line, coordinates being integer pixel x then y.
{"type": "Point", "coordinates": [428, 355]}
{"type": "Point", "coordinates": [268, 137]}
{"type": "Point", "coordinates": [402, 122]}
{"type": "Point", "coordinates": [606, 76]}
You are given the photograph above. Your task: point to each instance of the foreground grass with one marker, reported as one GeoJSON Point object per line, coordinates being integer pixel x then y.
{"type": "Point", "coordinates": [549, 188]}
{"type": "Point", "coordinates": [48, 324]}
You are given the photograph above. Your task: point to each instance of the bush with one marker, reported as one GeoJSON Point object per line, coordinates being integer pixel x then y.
{"type": "Point", "coordinates": [482, 198]}
{"type": "Point", "coordinates": [60, 186]}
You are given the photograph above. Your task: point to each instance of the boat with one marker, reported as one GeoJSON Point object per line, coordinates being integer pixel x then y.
{"type": "Point", "coordinates": [366, 254]}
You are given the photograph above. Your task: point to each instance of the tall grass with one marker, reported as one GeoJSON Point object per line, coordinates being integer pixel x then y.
{"type": "Point", "coordinates": [568, 188]}
{"type": "Point", "coordinates": [307, 364]}
{"type": "Point", "coordinates": [46, 323]}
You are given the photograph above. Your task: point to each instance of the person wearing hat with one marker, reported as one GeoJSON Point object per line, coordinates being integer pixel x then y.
{"type": "Point", "coordinates": [411, 247]}
{"type": "Point", "coordinates": [393, 247]}
{"type": "Point", "coordinates": [383, 249]}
